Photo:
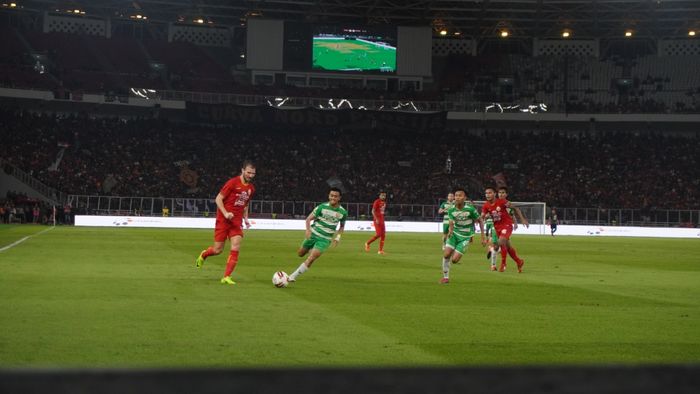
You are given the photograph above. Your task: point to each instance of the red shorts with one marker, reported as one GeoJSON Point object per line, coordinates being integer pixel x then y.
{"type": "Point", "coordinates": [225, 230]}
{"type": "Point", "coordinates": [504, 231]}
{"type": "Point", "coordinates": [379, 228]}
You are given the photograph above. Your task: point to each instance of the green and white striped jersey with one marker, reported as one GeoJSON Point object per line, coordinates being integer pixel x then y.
{"type": "Point", "coordinates": [488, 223]}
{"type": "Point", "coordinates": [489, 229]}
{"type": "Point", "coordinates": [327, 219]}
{"type": "Point", "coordinates": [463, 220]}
{"type": "Point", "coordinates": [446, 206]}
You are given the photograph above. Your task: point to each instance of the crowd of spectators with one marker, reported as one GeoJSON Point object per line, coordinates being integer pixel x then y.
{"type": "Point", "coordinates": [157, 158]}
{"type": "Point", "coordinates": [18, 208]}
{"type": "Point", "coordinates": [635, 106]}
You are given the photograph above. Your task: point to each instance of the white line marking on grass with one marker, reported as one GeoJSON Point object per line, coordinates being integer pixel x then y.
{"type": "Point", "coordinates": [4, 248]}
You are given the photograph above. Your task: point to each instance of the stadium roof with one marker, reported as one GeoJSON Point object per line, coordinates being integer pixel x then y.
{"type": "Point", "coordinates": [467, 18]}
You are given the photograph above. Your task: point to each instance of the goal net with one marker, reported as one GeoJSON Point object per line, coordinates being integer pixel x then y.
{"type": "Point", "coordinates": [534, 212]}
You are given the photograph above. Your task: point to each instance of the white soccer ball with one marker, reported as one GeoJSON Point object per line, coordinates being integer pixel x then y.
{"type": "Point", "coordinates": [280, 279]}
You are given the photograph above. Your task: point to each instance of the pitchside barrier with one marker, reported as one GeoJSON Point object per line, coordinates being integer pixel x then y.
{"type": "Point", "coordinates": [676, 379]}
{"type": "Point", "coordinates": [368, 226]}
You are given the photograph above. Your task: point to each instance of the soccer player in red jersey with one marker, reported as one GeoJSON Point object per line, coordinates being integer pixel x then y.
{"type": "Point", "coordinates": [497, 209]}
{"type": "Point", "coordinates": [232, 203]}
{"type": "Point", "coordinates": [378, 208]}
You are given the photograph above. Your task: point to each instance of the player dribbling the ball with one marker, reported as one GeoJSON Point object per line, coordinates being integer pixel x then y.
{"type": "Point", "coordinates": [328, 225]}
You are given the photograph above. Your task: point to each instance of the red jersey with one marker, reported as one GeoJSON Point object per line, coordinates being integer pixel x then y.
{"type": "Point", "coordinates": [498, 209]}
{"type": "Point", "coordinates": [378, 209]}
{"type": "Point", "coordinates": [236, 198]}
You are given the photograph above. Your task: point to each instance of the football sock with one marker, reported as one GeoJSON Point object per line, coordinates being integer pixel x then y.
{"type": "Point", "coordinates": [493, 256]}
{"type": "Point", "coordinates": [513, 254]}
{"type": "Point", "coordinates": [445, 267]}
{"type": "Point", "coordinates": [504, 254]}
{"type": "Point", "coordinates": [231, 262]}
{"type": "Point", "coordinates": [302, 268]}
{"type": "Point", "coordinates": [208, 252]}
{"type": "Point", "coordinates": [381, 244]}
{"type": "Point", "coordinates": [372, 239]}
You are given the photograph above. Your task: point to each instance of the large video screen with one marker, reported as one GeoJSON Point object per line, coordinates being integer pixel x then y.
{"type": "Point", "coordinates": [352, 49]}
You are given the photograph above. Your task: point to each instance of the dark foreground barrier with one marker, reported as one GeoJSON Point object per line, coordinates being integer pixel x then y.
{"type": "Point", "coordinates": [577, 380]}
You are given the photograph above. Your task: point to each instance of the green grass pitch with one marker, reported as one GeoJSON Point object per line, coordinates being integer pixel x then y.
{"type": "Point", "coordinates": [341, 54]}
{"type": "Point", "coordinates": [129, 297]}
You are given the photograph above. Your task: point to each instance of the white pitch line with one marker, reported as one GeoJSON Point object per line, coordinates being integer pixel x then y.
{"type": "Point", "coordinates": [4, 248]}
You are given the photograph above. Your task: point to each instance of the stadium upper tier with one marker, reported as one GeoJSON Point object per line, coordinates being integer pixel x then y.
{"type": "Point", "coordinates": [575, 83]}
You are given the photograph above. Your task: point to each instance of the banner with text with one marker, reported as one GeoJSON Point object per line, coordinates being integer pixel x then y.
{"type": "Point", "coordinates": [367, 226]}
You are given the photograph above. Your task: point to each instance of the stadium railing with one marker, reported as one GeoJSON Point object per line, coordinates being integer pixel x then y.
{"type": "Point", "coordinates": [316, 102]}
{"type": "Point", "coordinates": [453, 103]}
{"type": "Point", "coordinates": [53, 195]}
{"type": "Point", "coordinates": [535, 212]}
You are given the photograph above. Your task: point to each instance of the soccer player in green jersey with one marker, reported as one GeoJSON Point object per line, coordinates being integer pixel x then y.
{"type": "Point", "coordinates": [444, 207]}
{"type": "Point", "coordinates": [462, 217]}
{"type": "Point", "coordinates": [328, 224]}
{"type": "Point", "coordinates": [492, 242]}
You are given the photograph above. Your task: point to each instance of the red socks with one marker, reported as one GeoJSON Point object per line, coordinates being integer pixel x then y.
{"type": "Point", "coordinates": [208, 252]}
{"type": "Point", "coordinates": [372, 239]}
{"type": "Point", "coordinates": [231, 262]}
{"type": "Point", "coordinates": [513, 254]}
{"type": "Point", "coordinates": [504, 254]}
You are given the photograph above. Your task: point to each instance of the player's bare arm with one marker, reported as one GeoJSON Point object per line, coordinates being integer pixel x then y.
{"type": "Point", "coordinates": [336, 237]}
{"type": "Point", "coordinates": [515, 218]}
{"type": "Point", "coordinates": [481, 231]}
{"type": "Point", "coordinates": [220, 205]}
{"type": "Point", "coordinates": [522, 218]}
{"type": "Point", "coordinates": [452, 226]}
{"type": "Point", "coordinates": [245, 217]}
{"type": "Point", "coordinates": [309, 219]}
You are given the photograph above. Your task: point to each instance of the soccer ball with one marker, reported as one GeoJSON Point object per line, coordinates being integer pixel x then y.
{"type": "Point", "coordinates": [280, 279]}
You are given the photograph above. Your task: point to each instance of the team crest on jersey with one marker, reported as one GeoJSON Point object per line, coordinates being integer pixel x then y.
{"type": "Point", "coordinates": [463, 218]}
{"type": "Point", "coordinates": [334, 215]}
{"type": "Point", "coordinates": [242, 198]}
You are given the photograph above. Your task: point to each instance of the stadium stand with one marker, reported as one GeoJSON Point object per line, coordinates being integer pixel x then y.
{"type": "Point", "coordinates": [605, 170]}
{"type": "Point", "coordinates": [98, 64]}
{"type": "Point", "coordinates": [577, 83]}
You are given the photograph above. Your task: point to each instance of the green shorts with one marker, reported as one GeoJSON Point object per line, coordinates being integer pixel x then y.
{"type": "Point", "coordinates": [459, 244]}
{"type": "Point", "coordinates": [316, 242]}
{"type": "Point", "coordinates": [445, 227]}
